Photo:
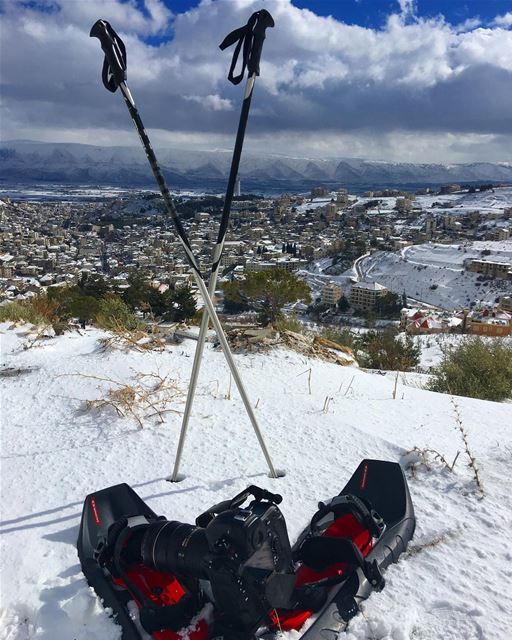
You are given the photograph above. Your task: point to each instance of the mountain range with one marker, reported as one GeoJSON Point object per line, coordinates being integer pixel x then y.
{"type": "Point", "coordinates": [73, 164]}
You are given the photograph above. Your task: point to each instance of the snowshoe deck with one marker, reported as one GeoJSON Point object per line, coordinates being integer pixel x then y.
{"type": "Point", "coordinates": [101, 509]}
{"type": "Point", "coordinates": [384, 486]}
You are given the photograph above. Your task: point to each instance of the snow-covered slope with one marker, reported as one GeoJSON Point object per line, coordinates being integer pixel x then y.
{"type": "Point", "coordinates": [455, 583]}
{"type": "Point", "coordinates": [434, 273]}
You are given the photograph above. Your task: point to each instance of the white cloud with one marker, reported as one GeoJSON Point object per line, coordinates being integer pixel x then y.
{"type": "Point", "coordinates": [407, 8]}
{"type": "Point", "coordinates": [212, 102]}
{"type": "Point", "coordinates": [321, 80]}
{"type": "Point", "coordinates": [504, 20]}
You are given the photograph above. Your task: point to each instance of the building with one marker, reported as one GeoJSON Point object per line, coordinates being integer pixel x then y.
{"type": "Point", "coordinates": [342, 197]}
{"type": "Point", "coordinates": [501, 233]}
{"type": "Point", "coordinates": [330, 212]}
{"type": "Point", "coordinates": [417, 320]}
{"type": "Point", "coordinates": [331, 293]}
{"type": "Point", "coordinates": [319, 192]}
{"type": "Point", "coordinates": [489, 322]}
{"type": "Point", "coordinates": [489, 268]}
{"type": "Point", "coordinates": [364, 295]}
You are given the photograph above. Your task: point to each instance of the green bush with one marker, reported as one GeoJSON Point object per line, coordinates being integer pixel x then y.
{"type": "Point", "coordinates": [267, 292]}
{"type": "Point", "coordinates": [476, 368]}
{"type": "Point", "coordinates": [115, 315]}
{"type": "Point", "coordinates": [36, 310]}
{"type": "Point", "coordinates": [289, 323]}
{"type": "Point", "coordinates": [174, 305]}
{"type": "Point", "coordinates": [72, 303]}
{"type": "Point", "coordinates": [387, 350]}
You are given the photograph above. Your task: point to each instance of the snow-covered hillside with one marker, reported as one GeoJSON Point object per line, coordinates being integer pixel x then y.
{"type": "Point", "coordinates": [454, 583]}
{"type": "Point", "coordinates": [434, 273]}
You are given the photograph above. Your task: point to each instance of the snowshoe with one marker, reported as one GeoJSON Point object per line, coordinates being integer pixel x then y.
{"type": "Point", "coordinates": [336, 562]}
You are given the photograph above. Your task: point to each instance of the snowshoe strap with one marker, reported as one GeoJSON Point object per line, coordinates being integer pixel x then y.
{"type": "Point", "coordinates": [321, 552]}
{"type": "Point", "coordinates": [349, 503]}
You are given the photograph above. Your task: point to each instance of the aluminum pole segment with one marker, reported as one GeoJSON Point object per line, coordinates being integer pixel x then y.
{"type": "Point", "coordinates": [217, 253]}
{"type": "Point", "coordinates": [195, 269]}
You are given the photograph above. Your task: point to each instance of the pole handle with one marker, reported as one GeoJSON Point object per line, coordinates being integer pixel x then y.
{"type": "Point", "coordinates": [114, 65]}
{"type": "Point", "coordinates": [251, 38]}
{"type": "Point", "coordinates": [265, 20]}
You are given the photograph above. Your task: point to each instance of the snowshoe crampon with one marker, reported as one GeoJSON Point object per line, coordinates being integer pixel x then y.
{"type": "Point", "coordinates": [254, 583]}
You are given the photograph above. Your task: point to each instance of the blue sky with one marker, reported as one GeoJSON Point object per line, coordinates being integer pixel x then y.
{"type": "Point", "coordinates": [405, 80]}
{"type": "Point", "coordinates": [373, 13]}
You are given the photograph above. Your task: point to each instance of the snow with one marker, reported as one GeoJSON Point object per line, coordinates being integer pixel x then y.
{"type": "Point", "coordinates": [491, 201]}
{"type": "Point", "coordinates": [418, 268]}
{"type": "Point", "coordinates": [454, 583]}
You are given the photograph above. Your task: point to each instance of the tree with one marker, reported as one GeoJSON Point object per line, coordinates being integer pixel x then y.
{"type": "Point", "coordinates": [387, 350]}
{"type": "Point", "coordinates": [180, 304]}
{"type": "Point", "coordinates": [388, 306]}
{"type": "Point", "coordinates": [71, 303]}
{"type": "Point", "coordinates": [343, 304]}
{"type": "Point", "coordinates": [92, 284]}
{"type": "Point", "coordinates": [267, 292]}
{"type": "Point", "coordinates": [138, 293]}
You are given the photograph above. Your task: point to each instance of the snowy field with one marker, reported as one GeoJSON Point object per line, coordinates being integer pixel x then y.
{"type": "Point", "coordinates": [434, 273]}
{"type": "Point", "coordinates": [491, 201]}
{"type": "Point", "coordinates": [455, 582]}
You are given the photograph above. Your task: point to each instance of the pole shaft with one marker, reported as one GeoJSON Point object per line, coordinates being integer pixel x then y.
{"type": "Point", "coordinates": [217, 253]}
{"type": "Point", "coordinates": [195, 269]}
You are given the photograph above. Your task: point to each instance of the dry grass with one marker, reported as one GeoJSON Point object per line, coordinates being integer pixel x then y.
{"type": "Point", "coordinates": [430, 544]}
{"type": "Point", "coordinates": [426, 457]}
{"type": "Point", "coordinates": [149, 396]}
{"type": "Point", "coordinates": [471, 458]}
{"type": "Point", "coordinates": [131, 339]}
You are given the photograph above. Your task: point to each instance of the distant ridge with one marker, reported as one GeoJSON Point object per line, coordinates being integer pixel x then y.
{"type": "Point", "coordinates": [31, 162]}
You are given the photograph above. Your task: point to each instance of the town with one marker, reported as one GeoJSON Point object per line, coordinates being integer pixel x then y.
{"type": "Point", "coordinates": [328, 238]}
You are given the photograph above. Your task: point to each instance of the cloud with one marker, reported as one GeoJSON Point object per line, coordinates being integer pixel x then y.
{"type": "Point", "coordinates": [323, 83]}
{"type": "Point", "coordinates": [407, 8]}
{"type": "Point", "coordinates": [504, 20]}
{"type": "Point", "coordinates": [212, 101]}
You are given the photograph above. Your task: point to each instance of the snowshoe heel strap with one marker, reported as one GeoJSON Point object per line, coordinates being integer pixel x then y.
{"type": "Point", "coordinates": [321, 552]}
{"type": "Point", "coordinates": [360, 509]}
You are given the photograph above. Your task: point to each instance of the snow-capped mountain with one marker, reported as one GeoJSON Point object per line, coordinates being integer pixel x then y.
{"type": "Point", "coordinates": [23, 161]}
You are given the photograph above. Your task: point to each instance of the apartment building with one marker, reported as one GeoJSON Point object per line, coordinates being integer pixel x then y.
{"type": "Point", "coordinates": [331, 293]}
{"type": "Point", "coordinates": [364, 295]}
{"type": "Point", "coordinates": [490, 268]}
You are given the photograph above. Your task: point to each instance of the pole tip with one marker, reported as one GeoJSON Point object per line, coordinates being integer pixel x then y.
{"type": "Point", "coordinates": [176, 478]}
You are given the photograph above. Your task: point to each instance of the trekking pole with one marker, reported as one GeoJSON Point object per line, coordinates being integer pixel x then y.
{"type": "Point", "coordinates": [114, 76]}
{"type": "Point", "coordinates": [250, 37]}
